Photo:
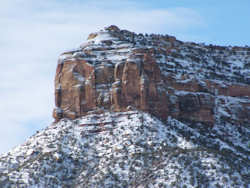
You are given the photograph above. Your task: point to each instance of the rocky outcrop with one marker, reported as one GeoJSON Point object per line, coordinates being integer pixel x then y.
{"type": "Point", "coordinates": [139, 110]}
{"type": "Point", "coordinates": [117, 70]}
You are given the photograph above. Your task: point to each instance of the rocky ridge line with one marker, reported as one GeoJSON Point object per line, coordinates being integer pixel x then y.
{"type": "Point", "coordinates": [127, 149]}
{"type": "Point", "coordinates": [137, 110]}
{"type": "Point", "coordinates": [118, 70]}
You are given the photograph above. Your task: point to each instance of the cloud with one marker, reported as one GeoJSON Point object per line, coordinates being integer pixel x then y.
{"type": "Point", "coordinates": [34, 33]}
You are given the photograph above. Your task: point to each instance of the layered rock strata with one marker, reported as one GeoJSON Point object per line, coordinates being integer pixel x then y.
{"type": "Point", "coordinates": [118, 70]}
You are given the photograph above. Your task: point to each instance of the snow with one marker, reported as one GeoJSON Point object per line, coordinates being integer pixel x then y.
{"type": "Point", "coordinates": [223, 112]}
{"type": "Point", "coordinates": [63, 57]}
{"type": "Point", "coordinates": [101, 36]}
{"type": "Point", "coordinates": [79, 77]}
{"type": "Point", "coordinates": [78, 54]}
{"type": "Point", "coordinates": [134, 148]}
{"type": "Point", "coordinates": [115, 57]}
{"type": "Point", "coordinates": [119, 144]}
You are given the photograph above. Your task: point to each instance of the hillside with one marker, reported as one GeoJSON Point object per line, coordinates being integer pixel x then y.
{"type": "Point", "coordinates": [136, 110]}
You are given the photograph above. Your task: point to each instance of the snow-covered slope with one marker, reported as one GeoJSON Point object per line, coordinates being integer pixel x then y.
{"type": "Point", "coordinates": [128, 149]}
{"type": "Point", "coordinates": [135, 110]}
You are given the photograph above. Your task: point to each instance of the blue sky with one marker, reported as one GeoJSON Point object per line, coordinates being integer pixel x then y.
{"type": "Point", "coordinates": [34, 33]}
{"type": "Point", "coordinates": [225, 22]}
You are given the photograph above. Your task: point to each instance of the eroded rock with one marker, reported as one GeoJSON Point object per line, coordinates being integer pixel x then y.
{"type": "Point", "coordinates": [116, 70]}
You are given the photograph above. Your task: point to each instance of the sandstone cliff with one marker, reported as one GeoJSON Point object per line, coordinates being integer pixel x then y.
{"type": "Point", "coordinates": [137, 110]}
{"type": "Point", "coordinates": [118, 70]}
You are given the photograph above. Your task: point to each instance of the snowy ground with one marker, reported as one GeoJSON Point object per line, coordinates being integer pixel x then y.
{"type": "Point", "coordinates": [129, 149]}
{"type": "Point", "coordinates": [135, 149]}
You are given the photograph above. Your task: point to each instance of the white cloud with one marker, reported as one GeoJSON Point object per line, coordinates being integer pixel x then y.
{"type": "Point", "coordinates": [32, 35]}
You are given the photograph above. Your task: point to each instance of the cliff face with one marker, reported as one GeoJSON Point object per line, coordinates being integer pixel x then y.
{"type": "Point", "coordinates": [117, 70]}
{"type": "Point", "coordinates": [137, 110]}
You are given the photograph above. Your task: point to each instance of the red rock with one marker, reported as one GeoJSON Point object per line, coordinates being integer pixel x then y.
{"type": "Point", "coordinates": [137, 80]}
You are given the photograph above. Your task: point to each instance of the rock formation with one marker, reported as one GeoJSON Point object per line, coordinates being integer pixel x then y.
{"type": "Point", "coordinates": [118, 70]}
{"type": "Point", "coordinates": [137, 110]}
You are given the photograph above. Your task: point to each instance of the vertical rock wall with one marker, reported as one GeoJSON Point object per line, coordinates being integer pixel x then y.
{"type": "Point", "coordinates": [117, 70]}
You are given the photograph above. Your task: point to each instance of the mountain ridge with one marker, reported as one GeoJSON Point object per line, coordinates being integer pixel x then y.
{"type": "Point", "coordinates": [128, 151]}
{"type": "Point", "coordinates": [135, 110]}
{"type": "Point", "coordinates": [118, 69]}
